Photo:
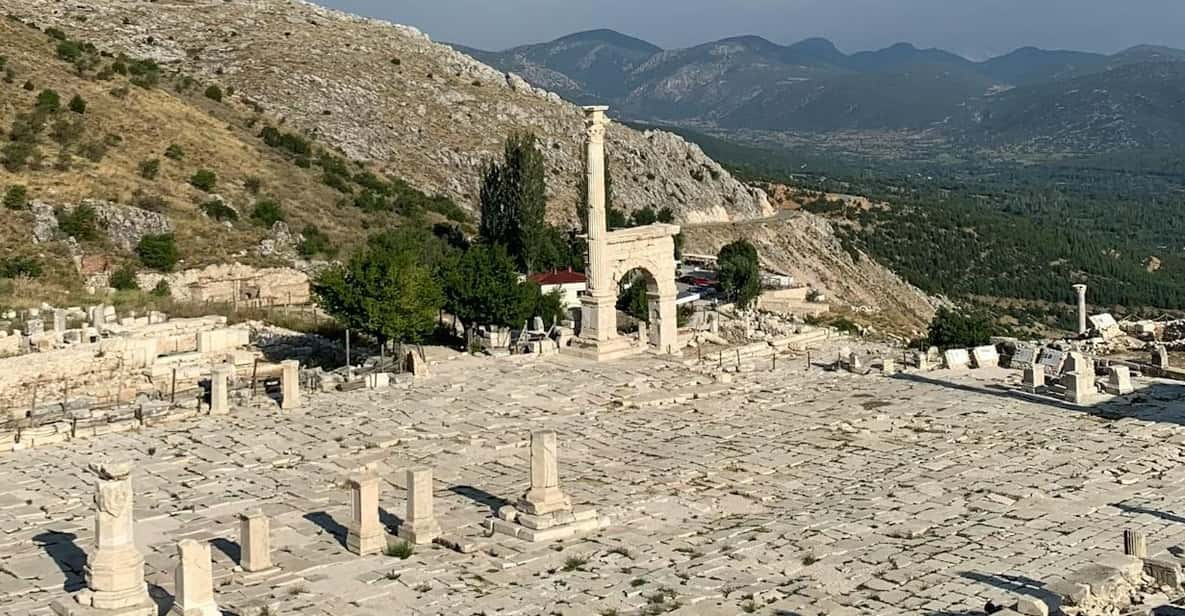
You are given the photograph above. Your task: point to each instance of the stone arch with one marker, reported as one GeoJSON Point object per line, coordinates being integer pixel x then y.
{"type": "Point", "coordinates": [613, 254]}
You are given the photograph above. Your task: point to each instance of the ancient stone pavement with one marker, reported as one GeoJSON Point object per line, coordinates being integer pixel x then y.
{"type": "Point", "coordinates": [792, 492]}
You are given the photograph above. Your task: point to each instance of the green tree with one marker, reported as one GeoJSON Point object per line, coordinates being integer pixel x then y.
{"type": "Point", "coordinates": [633, 299]}
{"type": "Point", "coordinates": [513, 203]}
{"type": "Point", "coordinates": [739, 272]}
{"type": "Point", "coordinates": [483, 288]}
{"type": "Point", "coordinates": [16, 197]}
{"type": "Point", "coordinates": [958, 329]}
{"type": "Point", "coordinates": [158, 251]}
{"type": "Point", "coordinates": [549, 306]}
{"type": "Point", "coordinates": [384, 291]}
{"type": "Point", "coordinates": [214, 93]}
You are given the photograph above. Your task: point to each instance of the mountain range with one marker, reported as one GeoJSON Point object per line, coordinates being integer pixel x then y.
{"type": "Point", "coordinates": [1043, 102]}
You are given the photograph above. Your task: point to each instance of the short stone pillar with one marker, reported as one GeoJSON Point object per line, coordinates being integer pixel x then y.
{"type": "Point", "coordinates": [220, 391]}
{"type": "Point", "coordinates": [855, 363]}
{"type": "Point", "coordinates": [364, 533]}
{"type": "Point", "coordinates": [1135, 544]}
{"type": "Point", "coordinates": [59, 321]}
{"type": "Point", "coordinates": [419, 525]}
{"type": "Point", "coordinates": [922, 360]}
{"type": "Point", "coordinates": [888, 366]}
{"type": "Point", "coordinates": [255, 542]}
{"type": "Point", "coordinates": [1034, 378]}
{"type": "Point", "coordinates": [1119, 380]}
{"type": "Point", "coordinates": [1080, 387]}
{"type": "Point", "coordinates": [115, 569]}
{"type": "Point", "coordinates": [1160, 356]}
{"type": "Point", "coordinates": [1083, 326]}
{"type": "Point", "coordinates": [289, 384]}
{"type": "Point", "coordinates": [194, 595]}
{"type": "Point", "coordinates": [545, 495]}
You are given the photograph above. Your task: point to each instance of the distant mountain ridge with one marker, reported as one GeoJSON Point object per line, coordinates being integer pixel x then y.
{"type": "Point", "coordinates": [748, 83]}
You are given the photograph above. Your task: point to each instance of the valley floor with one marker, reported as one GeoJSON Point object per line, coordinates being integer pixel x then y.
{"type": "Point", "coordinates": [793, 491]}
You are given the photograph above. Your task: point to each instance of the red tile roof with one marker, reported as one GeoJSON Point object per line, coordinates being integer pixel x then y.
{"type": "Point", "coordinates": [559, 277]}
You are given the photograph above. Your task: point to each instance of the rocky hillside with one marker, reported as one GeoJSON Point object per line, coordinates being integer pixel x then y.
{"type": "Point", "coordinates": [386, 93]}
{"type": "Point", "coordinates": [805, 246]}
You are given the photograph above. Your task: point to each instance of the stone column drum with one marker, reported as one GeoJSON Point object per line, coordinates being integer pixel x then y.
{"type": "Point", "coordinates": [115, 569]}
{"type": "Point", "coordinates": [364, 534]}
{"type": "Point", "coordinates": [419, 526]}
{"type": "Point", "coordinates": [1080, 289]}
{"type": "Point", "coordinates": [545, 495]}
{"type": "Point", "coordinates": [289, 384]}
{"type": "Point", "coordinates": [255, 544]}
{"type": "Point", "coordinates": [194, 594]}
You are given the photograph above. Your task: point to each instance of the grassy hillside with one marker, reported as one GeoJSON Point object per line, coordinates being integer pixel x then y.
{"type": "Point", "coordinates": [137, 134]}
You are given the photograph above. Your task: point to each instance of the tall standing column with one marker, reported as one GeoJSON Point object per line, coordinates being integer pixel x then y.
{"type": "Point", "coordinates": [598, 321]}
{"type": "Point", "coordinates": [115, 570]}
{"type": "Point", "coordinates": [594, 157]}
{"type": "Point", "coordinates": [1080, 289]}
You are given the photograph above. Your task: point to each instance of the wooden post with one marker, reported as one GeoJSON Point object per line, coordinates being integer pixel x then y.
{"type": "Point", "coordinates": [348, 365]}
{"type": "Point", "coordinates": [65, 394]}
{"type": "Point", "coordinates": [774, 366]}
{"type": "Point", "coordinates": [173, 389]}
{"type": "Point", "coordinates": [808, 359]}
{"type": "Point", "coordinates": [738, 358]}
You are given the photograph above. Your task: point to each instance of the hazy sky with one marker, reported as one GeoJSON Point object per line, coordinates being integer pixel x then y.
{"type": "Point", "coordinates": [976, 28]}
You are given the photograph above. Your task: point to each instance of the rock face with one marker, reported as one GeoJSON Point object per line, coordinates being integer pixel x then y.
{"type": "Point", "coordinates": [805, 246]}
{"type": "Point", "coordinates": [234, 283]}
{"type": "Point", "coordinates": [124, 225]}
{"type": "Point", "coordinates": [388, 94]}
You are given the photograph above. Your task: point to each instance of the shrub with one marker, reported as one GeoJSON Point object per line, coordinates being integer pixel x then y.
{"type": "Point", "coordinates": [69, 51]}
{"type": "Point", "coordinates": [267, 213]}
{"type": "Point", "coordinates": [81, 223]}
{"type": "Point", "coordinates": [214, 93]}
{"type": "Point", "coordinates": [20, 267]}
{"type": "Point", "coordinates": [401, 550]}
{"type": "Point", "coordinates": [55, 33]}
{"type": "Point", "coordinates": [64, 132]}
{"type": "Point", "coordinates": [149, 168]}
{"type": "Point", "coordinates": [77, 104]}
{"type": "Point", "coordinates": [315, 242]}
{"type": "Point", "coordinates": [158, 251]}
{"type": "Point", "coordinates": [161, 289]}
{"type": "Point", "coordinates": [94, 151]}
{"type": "Point", "coordinates": [48, 101]}
{"type": "Point", "coordinates": [150, 202]}
{"type": "Point", "coordinates": [204, 179]}
{"type": "Point", "coordinates": [16, 197]}
{"type": "Point", "coordinates": [291, 142]}
{"type": "Point", "coordinates": [217, 210]}
{"type": "Point", "coordinates": [253, 185]}
{"type": "Point", "coordinates": [174, 152]}
{"type": "Point", "coordinates": [29, 86]}
{"type": "Point", "coordinates": [124, 279]}
{"type": "Point", "coordinates": [17, 154]}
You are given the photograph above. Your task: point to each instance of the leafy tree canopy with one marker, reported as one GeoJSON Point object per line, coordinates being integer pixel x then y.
{"type": "Point", "coordinates": [739, 272]}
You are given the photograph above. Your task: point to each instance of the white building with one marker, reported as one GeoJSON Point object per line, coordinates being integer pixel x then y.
{"type": "Point", "coordinates": [571, 284]}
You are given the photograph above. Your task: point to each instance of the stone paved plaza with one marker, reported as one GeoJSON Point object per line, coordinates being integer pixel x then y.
{"type": "Point", "coordinates": [791, 491]}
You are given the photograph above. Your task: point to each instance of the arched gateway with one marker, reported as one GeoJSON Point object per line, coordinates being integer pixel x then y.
{"type": "Point", "coordinates": [613, 254]}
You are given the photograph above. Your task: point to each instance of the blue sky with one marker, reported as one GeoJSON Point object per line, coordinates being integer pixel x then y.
{"type": "Point", "coordinates": [976, 28]}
